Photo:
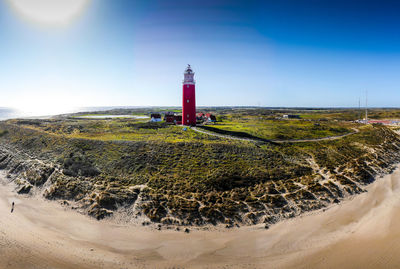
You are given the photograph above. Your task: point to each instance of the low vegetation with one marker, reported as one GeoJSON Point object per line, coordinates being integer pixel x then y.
{"type": "Point", "coordinates": [283, 129]}
{"type": "Point", "coordinates": [182, 177]}
{"type": "Point", "coordinates": [3, 132]}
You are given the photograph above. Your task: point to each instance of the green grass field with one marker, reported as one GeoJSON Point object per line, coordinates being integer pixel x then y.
{"type": "Point", "coordinates": [257, 123]}
{"type": "Point", "coordinates": [116, 130]}
{"type": "Point", "coordinates": [141, 130]}
{"type": "Point", "coordinates": [261, 123]}
{"type": "Point", "coordinates": [284, 129]}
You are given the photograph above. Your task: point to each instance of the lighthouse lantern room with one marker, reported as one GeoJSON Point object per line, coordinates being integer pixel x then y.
{"type": "Point", "coordinates": [189, 98]}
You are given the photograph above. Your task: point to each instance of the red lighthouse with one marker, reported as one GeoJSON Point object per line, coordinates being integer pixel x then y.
{"type": "Point", "coordinates": [189, 98]}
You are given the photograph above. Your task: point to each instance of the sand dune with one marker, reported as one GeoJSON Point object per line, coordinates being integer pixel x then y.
{"type": "Point", "coordinates": [360, 233]}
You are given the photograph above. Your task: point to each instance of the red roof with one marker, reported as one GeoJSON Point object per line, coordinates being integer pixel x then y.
{"type": "Point", "coordinates": [178, 117]}
{"type": "Point", "coordinates": [156, 115]}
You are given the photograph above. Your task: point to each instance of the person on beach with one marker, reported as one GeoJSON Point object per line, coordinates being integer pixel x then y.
{"type": "Point", "coordinates": [12, 207]}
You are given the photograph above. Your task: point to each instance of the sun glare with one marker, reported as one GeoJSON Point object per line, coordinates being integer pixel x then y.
{"type": "Point", "coordinates": [44, 103]}
{"type": "Point", "coordinates": [44, 109]}
{"type": "Point", "coordinates": [49, 12]}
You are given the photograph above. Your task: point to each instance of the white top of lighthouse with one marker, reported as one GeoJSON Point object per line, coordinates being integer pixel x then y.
{"type": "Point", "coordinates": [189, 76]}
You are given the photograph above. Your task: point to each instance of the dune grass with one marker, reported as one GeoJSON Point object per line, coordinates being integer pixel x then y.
{"type": "Point", "coordinates": [204, 179]}
{"type": "Point", "coordinates": [284, 129]}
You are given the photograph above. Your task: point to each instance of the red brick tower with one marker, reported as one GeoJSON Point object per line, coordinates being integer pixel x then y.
{"type": "Point", "coordinates": [189, 98]}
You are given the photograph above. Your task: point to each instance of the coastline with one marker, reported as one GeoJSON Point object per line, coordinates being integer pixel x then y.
{"type": "Point", "coordinates": [43, 234]}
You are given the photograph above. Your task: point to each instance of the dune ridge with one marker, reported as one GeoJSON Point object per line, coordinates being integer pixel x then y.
{"type": "Point", "coordinates": [361, 232]}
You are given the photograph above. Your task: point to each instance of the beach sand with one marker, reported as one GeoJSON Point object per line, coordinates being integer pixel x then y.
{"type": "Point", "coordinates": [362, 232]}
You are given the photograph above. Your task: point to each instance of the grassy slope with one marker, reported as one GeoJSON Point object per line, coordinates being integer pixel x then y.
{"type": "Point", "coordinates": [284, 129]}
{"type": "Point", "coordinates": [201, 179]}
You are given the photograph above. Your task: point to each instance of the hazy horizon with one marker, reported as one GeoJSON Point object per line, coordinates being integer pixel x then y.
{"type": "Point", "coordinates": [10, 113]}
{"type": "Point", "coordinates": [59, 55]}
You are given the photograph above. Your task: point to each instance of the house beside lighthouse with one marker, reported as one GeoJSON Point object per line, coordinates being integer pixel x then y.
{"type": "Point", "coordinates": [189, 98]}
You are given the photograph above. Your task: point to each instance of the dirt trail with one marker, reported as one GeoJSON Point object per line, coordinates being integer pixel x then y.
{"type": "Point", "coordinates": [359, 233]}
{"type": "Point", "coordinates": [275, 140]}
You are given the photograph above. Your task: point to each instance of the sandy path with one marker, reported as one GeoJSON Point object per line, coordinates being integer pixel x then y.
{"type": "Point", "coordinates": [279, 141]}
{"type": "Point", "coordinates": [360, 233]}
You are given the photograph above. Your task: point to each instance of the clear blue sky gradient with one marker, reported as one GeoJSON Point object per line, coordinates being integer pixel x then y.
{"type": "Point", "coordinates": [317, 53]}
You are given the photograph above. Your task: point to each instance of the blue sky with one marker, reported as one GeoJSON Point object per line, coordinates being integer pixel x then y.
{"type": "Point", "coordinates": [316, 53]}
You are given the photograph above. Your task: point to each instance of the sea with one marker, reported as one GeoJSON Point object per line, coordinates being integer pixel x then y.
{"type": "Point", "coordinates": [10, 113]}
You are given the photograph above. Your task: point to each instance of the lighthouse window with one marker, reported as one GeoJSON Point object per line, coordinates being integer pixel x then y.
{"type": "Point", "coordinates": [187, 100]}
{"type": "Point", "coordinates": [188, 121]}
{"type": "Point", "coordinates": [187, 86]}
{"type": "Point", "coordinates": [188, 115]}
